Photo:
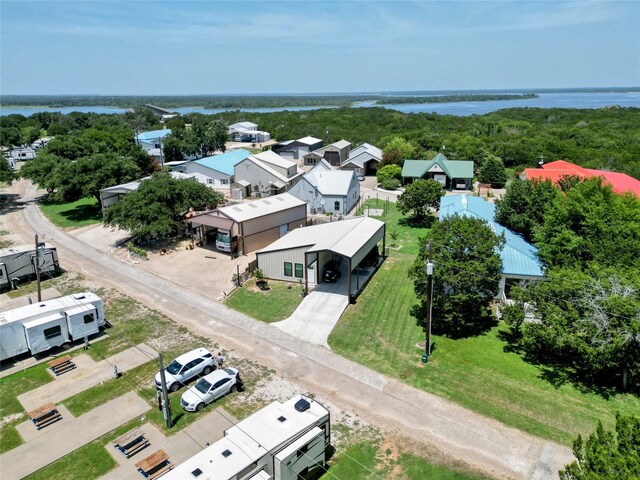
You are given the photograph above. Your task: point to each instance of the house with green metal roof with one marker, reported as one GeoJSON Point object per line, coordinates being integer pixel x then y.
{"type": "Point", "coordinates": [452, 174]}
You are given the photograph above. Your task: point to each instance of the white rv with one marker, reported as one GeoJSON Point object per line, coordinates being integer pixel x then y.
{"type": "Point", "coordinates": [20, 263]}
{"type": "Point", "coordinates": [38, 327]}
{"type": "Point", "coordinates": [283, 441]}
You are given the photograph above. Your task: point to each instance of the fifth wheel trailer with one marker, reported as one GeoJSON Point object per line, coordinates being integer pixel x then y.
{"type": "Point", "coordinates": [20, 263]}
{"type": "Point", "coordinates": [38, 327]}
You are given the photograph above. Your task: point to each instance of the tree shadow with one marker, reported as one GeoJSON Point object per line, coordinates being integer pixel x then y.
{"type": "Point", "coordinates": [10, 202]}
{"type": "Point", "coordinates": [417, 222]}
{"type": "Point", "coordinates": [454, 328]}
{"type": "Point", "coordinates": [83, 213]}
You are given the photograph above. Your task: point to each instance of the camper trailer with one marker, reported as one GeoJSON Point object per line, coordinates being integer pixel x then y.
{"type": "Point", "coordinates": [38, 327]}
{"type": "Point", "coordinates": [283, 441]}
{"type": "Point", "coordinates": [19, 263]}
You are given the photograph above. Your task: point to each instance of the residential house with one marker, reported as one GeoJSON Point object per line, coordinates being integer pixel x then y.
{"type": "Point", "coordinates": [452, 174]}
{"type": "Point", "coordinates": [353, 244]}
{"type": "Point", "coordinates": [620, 183]}
{"type": "Point", "coordinates": [218, 169]}
{"type": "Point", "coordinates": [282, 441]}
{"type": "Point", "coordinates": [252, 225]}
{"type": "Point", "coordinates": [327, 190]}
{"type": "Point", "coordinates": [110, 195]}
{"type": "Point", "coordinates": [265, 174]}
{"type": "Point", "coordinates": [519, 258]}
{"type": "Point", "coordinates": [335, 154]}
{"type": "Point", "coordinates": [296, 149]}
{"type": "Point", "coordinates": [152, 139]}
{"type": "Point", "coordinates": [364, 160]}
{"type": "Point", "coordinates": [247, 132]}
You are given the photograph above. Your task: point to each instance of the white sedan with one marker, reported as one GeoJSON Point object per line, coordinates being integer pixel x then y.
{"type": "Point", "coordinates": [210, 388]}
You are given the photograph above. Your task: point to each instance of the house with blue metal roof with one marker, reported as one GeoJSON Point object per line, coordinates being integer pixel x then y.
{"type": "Point", "coordinates": [452, 174]}
{"type": "Point", "coordinates": [218, 169]}
{"type": "Point", "coordinates": [152, 139]}
{"type": "Point", "coordinates": [519, 258]}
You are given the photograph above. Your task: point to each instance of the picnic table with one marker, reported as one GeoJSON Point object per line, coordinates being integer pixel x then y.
{"type": "Point", "coordinates": [155, 465]}
{"type": "Point", "coordinates": [131, 442]}
{"type": "Point", "coordinates": [61, 365]}
{"type": "Point", "coordinates": [45, 415]}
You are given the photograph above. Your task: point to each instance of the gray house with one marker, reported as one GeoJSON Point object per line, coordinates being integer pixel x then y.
{"type": "Point", "coordinates": [364, 160]}
{"type": "Point", "coordinates": [327, 190]}
{"type": "Point", "coordinates": [265, 174]}
{"type": "Point", "coordinates": [296, 149]}
{"type": "Point", "coordinates": [335, 154]}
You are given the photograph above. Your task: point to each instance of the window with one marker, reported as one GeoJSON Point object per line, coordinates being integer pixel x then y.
{"type": "Point", "coordinates": [88, 318]}
{"type": "Point", "coordinates": [288, 269]}
{"type": "Point", "coordinates": [224, 181]}
{"type": "Point", "coordinates": [52, 332]}
{"type": "Point", "coordinates": [336, 206]}
{"type": "Point", "coordinates": [303, 450]}
{"type": "Point", "coordinates": [299, 270]}
{"type": "Point", "coordinates": [209, 181]}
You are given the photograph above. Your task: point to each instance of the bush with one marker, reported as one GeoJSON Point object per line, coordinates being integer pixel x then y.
{"type": "Point", "coordinates": [138, 251]}
{"type": "Point", "coordinates": [389, 177]}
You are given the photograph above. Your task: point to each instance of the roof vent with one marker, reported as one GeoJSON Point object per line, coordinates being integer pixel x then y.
{"type": "Point", "coordinates": [226, 453]}
{"type": "Point", "coordinates": [302, 405]}
{"type": "Point", "coordinates": [197, 472]}
{"type": "Point", "coordinates": [79, 296]}
{"type": "Point", "coordinates": [282, 419]}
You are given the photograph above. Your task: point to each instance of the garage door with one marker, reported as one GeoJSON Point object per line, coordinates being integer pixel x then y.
{"type": "Point", "coordinates": [287, 155]}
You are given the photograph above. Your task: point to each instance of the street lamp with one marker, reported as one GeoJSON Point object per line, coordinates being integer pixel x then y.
{"type": "Point", "coordinates": [429, 299]}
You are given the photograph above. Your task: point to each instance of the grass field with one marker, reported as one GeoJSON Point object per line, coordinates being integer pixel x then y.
{"type": "Point", "coordinates": [81, 213]}
{"type": "Point", "coordinates": [268, 306]}
{"type": "Point", "coordinates": [476, 372]}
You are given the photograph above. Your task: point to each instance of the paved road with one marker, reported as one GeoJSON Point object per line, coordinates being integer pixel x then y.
{"type": "Point", "coordinates": [432, 423]}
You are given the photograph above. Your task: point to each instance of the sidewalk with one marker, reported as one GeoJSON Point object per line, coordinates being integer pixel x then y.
{"type": "Point", "coordinates": [69, 434]}
{"type": "Point", "coordinates": [87, 374]}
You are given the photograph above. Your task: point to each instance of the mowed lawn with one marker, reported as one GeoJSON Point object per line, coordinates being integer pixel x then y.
{"type": "Point", "coordinates": [272, 305]}
{"type": "Point", "coordinates": [378, 331]}
{"type": "Point", "coordinates": [80, 213]}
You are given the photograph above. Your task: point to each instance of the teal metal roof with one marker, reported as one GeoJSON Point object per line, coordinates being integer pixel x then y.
{"type": "Point", "coordinates": [518, 256]}
{"type": "Point", "coordinates": [224, 162]}
{"type": "Point", "coordinates": [451, 168]}
{"type": "Point", "coordinates": [153, 135]}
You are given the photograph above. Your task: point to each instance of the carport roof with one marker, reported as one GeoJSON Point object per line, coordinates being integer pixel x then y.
{"type": "Point", "coordinates": [344, 237]}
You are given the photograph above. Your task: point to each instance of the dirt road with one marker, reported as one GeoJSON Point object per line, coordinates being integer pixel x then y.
{"type": "Point", "coordinates": [432, 424]}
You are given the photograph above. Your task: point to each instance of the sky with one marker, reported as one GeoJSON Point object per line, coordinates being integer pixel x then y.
{"type": "Point", "coordinates": [268, 47]}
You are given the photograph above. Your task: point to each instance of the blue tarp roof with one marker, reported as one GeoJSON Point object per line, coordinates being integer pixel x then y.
{"type": "Point", "coordinates": [153, 135]}
{"type": "Point", "coordinates": [224, 162]}
{"type": "Point", "coordinates": [519, 257]}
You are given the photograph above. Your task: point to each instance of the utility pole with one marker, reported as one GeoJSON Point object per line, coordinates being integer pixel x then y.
{"type": "Point", "coordinates": [427, 347]}
{"type": "Point", "coordinates": [166, 405]}
{"type": "Point", "coordinates": [37, 265]}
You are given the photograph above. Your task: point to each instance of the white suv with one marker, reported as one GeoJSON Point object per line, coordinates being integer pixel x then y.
{"type": "Point", "coordinates": [187, 366]}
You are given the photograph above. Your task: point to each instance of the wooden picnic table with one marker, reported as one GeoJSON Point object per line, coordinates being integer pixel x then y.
{"type": "Point", "coordinates": [131, 442]}
{"type": "Point", "coordinates": [44, 415]}
{"type": "Point", "coordinates": [155, 465]}
{"type": "Point", "coordinates": [62, 364]}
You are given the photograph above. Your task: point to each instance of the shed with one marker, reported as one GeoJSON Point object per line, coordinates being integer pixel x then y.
{"type": "Point", "coordinates": [302, 254]}
{"type": "Point", "coordinates": [519, 258]}
{"type": "Point", "coordinates": [254, 224]}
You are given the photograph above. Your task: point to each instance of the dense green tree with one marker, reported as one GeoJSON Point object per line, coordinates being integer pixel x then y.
{"type": "Point", "coordinates": [396, 151]}
{"type": "Point", "coordinates": [157, 207]}
{"type": "Point", "coordinates": [10, 133]}
{"type": "Point", "coordinates": [389, 176]}
{"type": "Point", "coordinates": [466, 278]}
{"type": "Point", "coordinates": [42, 170]}
{"type": "Point", "coordinates": [524, 205]}
{"type": "Point", "coordinates": [493, 171]}
{"type": "Point", "coordinates": [419, 197]}
{"type": "Point", "coordinates": [607, 455]}
{"type": "Point", "coordinates": [6, 174]}
{"type": "Point", "coordinates": [591, 223]}
{"type": "Point", "coordinates": [588, 326]}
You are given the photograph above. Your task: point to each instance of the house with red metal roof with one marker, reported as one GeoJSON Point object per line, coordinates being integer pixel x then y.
{"type": "Point", "coordinates": [620, 182]}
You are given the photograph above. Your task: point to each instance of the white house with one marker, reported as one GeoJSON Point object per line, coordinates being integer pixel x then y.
{"type": "Point", "coordinates": [264, 174]}
{"type": "Point", "coordinates": [327, 190]}
{"type": "Point", "coordinates": [283, 441]}
{"type": "Point", "coordinates": [247, 132]}
{"type": "Point", "coordinates": [218, 169]}
{"type": "Point", "coordinates": [152, 139]}
{"type": "Point", "coordinates": [364, 160]}
{"type": "Point", "coordinates": [296, 149]}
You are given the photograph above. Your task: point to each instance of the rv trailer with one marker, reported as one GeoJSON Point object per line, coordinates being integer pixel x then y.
{"type": "Point", "coordinates": [38, 327]}
{"type": "Point", "coordinates": [20, 263]}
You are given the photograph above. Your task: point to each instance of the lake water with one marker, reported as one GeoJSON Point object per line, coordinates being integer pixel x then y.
{"type": "Point", "coordinates": [545, 100]}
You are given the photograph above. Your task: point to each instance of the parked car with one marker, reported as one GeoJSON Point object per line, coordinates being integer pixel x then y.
{"type": "Point", "coordinates": [210, 388]}
{"type": "Point", "coordinates": [194, 363]}
{"type": "Point", "coordinates": [360, 177]}
{"type": "Point", "coordinates": [332, 271]}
